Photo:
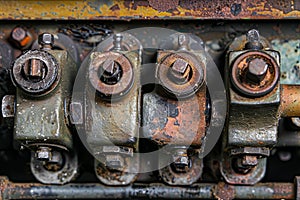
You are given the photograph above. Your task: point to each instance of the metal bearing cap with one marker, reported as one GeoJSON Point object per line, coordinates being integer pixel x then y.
{"type": "Point", "coordinates": [111, 74]}
{"type": "Point", "coordinates": [254, 73]}
{"type": "Point", "coordinates": [35, 72]}
{"type": "Point", "coordinates": [180, 74]}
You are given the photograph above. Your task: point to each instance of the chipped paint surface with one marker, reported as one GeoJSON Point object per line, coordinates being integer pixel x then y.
{"type": "Point", "coordinates": [149, 9]}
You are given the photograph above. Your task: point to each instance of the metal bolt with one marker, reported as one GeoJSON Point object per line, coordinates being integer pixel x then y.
{"type": "Point", "coordinates": [18, 34]}
{"type": "Point", "coordinates": [46, 40]}
{"type": "Point", "coordinates": [245, 163]}
{"type": "Point", "coordinates": [183, 42]}
{"type": "Point", "coordinates": [181, 160]}
{"type": "Point", "coordinates": [115, 161]}
{"type": "Point", "coordinates": [8, 106]}
{"type": "Point", "coordinates": [55, 163]}
{"type": "Point", "coordinates": [21, 37]}
{"type": "Point", "coordinates": [180, 71]}
{"type": "Point", "coordinates": [44, 154]}
{"type": "Point", "coordinates": [110, 72]}
{"type": "Point", "coordinates": [117, 42]}
{"type": "Point", "coordinates": [253, 40]}
{"type": "Point", "coordinates": [249, 160]}
{"type": "Point", "coordinates": [257, 70]}
{"type": "Point", "coordinates": [34, 69]}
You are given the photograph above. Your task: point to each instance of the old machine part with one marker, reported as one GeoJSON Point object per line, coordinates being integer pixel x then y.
{"type": "Point", "coordinates": [43, 80]}
{"type": "Point", "coordinates": [150, 99]}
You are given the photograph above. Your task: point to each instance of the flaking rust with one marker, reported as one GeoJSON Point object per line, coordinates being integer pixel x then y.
{"type": "Point", "coordinates": [149, 9]}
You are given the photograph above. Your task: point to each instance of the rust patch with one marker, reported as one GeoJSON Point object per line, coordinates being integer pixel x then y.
{"type": "Point", "coordinates": [163, 5]}
{"type": "Point", "coordinates": [224, 191]}
{"type": "Point", "coordinates": [290, 101]}
{"type": "Point", "coordinates": [285, 5]}
{"type": "Point", "coordinates": [135, 4]}
{"type": "Point", "coordinates": [173, 122]}
{"type": "Point", "coordinates": [150, 9]}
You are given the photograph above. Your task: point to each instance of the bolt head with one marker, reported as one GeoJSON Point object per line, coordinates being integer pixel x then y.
{"type": "Point", "coordinates": [180, 66]}
{"type": "Point", "coordinates": [114, 161]}
{"type": "Point", "coordinates": [180, 70]}
{"type": "Point", "coordinates": [46, 39]}
{"type": "Point", "coordinates": [44, 154]}
{"type": "Point", "coordinates": [252, 35]}
{"type": "Point", "coordinates": [258, 67]}
{"type": "Point", "coordinates": [18, 34]}
{"type": "Point", "coordinates": [249, 160]}
{"type": "Point", "coordinates": [181, 160]}
{"type": "Point", "coordinates": [183, 41]}
{"type": "Point", "coordinates": [21, 37]}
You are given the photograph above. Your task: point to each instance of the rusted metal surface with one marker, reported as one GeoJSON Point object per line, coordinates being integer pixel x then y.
{"type": "Point", "coordinates": [253, 122]}
{"type": "Point", "coordinates": [46, 115]}
{"type": "Point", "coordinates": [250, 81]}
{"type": "Point", "coordinates": [187, 176]}
{"type": "Point", "coordinates": [245, 176]}
{"type": "Point", "coordinates": [111, 174]}
{"type": "Point", "coordinates": [10, 190]}
{"type": "Point", "coordinates": [290, 59]}
{"type": "Point", "coordinates": [21, 37]}
{"type": "Point", "coordinates": [149, 9]}
{"type": "Point", "coordinates": [60, 169]}
{"type": "Point", "coordinates": [96, 73]}
{"type": "Point", "coordinates": [175, 122]}
{"type": "Point", "coordinates": [114, 122]}
{"type": "Point", "coordinates": [290, 101]}
{"type": "Point", "coordinates": [196, 74]}
{"type": "Point", "coordinates": [22, 72]}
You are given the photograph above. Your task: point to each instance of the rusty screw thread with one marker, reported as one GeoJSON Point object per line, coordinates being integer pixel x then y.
{"type": "Point", "coordinates": [257, 70]}
{"type": "Point", "coordinates": [110, 72]}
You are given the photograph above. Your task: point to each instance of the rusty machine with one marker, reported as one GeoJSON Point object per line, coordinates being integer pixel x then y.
{"type": "Point", "coordinates": [150, 99]}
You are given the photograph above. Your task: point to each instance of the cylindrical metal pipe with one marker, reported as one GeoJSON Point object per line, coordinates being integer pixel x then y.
{"type": "Point", "coordinates": [290, 101]}
{"type": "Point", "coordinates": [146, 191]}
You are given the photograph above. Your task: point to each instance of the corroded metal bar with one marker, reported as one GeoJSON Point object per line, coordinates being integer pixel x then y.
{"type": "Point", "coordinates": [290, 101]}
{"type": "Point", "coordinates": [149, 9]}
{"type": "Point", "coordinates": [11, 190]}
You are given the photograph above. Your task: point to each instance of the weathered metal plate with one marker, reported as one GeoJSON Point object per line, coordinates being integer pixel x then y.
{"type": "Point", "coordinates": [149, 9]}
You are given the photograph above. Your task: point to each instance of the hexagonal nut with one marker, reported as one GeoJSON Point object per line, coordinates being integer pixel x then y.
{"type": "Point", "coordinates": [115, 161]}
{"type": "Point", "coordinates": [21, 37]}
{"type": "Point", "coordinates": [46, 39]}
{"type": "Point", "coordinates": [181, 160]}
{"type": "Point", "coordinates": [44, 154]}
